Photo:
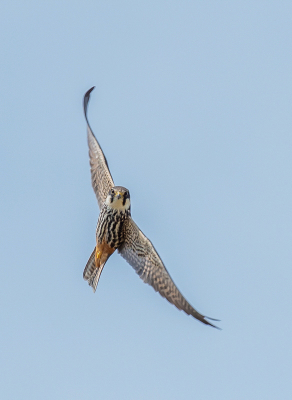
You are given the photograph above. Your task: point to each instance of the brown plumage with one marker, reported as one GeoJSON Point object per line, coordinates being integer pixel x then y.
{"type": "Point", "coordinates": [116, 230]}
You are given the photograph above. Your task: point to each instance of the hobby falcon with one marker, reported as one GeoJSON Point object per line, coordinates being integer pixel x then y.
{"type": "Point", "coordinates": [116, 230]}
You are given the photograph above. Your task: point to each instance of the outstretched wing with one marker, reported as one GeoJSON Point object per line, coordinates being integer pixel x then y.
{"type": "Point", "coordinates": [101, 178]}
{"type": "Point", "coordinates": [142, 256]}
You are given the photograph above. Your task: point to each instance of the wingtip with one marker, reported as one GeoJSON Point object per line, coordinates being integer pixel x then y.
{"type": "Point", "coordinates": [213, 319]}
{"type": "Point", "coordinates": [86, 100]}
{"type": "Point", "coordinates": [209, 323]}
{"type": "Point", "coordinates": [217, 327]}
{"type": "Point", "coordinates": [87, 94]}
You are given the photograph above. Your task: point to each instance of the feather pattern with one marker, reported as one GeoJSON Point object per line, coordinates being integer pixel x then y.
{"type": "Point", "coordinates": [136, 248]}
{"type": "Point", "coordinates": [101, 178]}
{"type": "Point", "coordinates": [140, 253]}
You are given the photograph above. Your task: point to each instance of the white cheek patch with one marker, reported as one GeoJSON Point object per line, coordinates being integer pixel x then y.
{"type": "Point", "coordinates": [108, 201]}
{"type": "Point", "coordinates": [117, 204]}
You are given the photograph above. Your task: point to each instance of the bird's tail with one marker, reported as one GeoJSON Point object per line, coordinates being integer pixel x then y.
{"type": "Point", "coordinates": [91, 272]}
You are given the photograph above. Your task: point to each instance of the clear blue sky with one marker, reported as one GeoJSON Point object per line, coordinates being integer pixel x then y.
{"type": "Point", "coordinates": [193, 110]}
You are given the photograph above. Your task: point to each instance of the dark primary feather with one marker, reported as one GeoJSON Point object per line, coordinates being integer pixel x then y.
{"type": "Point", "coordinates": [142, 256]}
{"type": "Point", "coordinates": [101, 178]}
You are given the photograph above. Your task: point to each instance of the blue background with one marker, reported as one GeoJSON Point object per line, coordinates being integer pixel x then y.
{"type": "Point", "coordinates": [192, 108]}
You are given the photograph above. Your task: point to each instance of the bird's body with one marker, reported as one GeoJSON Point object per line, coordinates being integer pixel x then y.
{"type": "Point", "coordinates": [116, 230]}
{"type": "Point", "coordinates": [110, 233]}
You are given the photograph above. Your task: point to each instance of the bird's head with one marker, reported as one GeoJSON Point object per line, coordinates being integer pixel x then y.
{"type": "Point", "coordinates": [118, 198]}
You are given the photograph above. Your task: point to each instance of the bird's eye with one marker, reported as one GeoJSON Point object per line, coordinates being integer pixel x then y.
{"type": "Point", "coordinates": [112, 191]}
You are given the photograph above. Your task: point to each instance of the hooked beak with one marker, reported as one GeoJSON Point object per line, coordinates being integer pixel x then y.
{"type": "Point", "coordinates": [119, 196]}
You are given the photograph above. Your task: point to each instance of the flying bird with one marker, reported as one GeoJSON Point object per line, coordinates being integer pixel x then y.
{"type": "Point", "coordinates": [116, 230]}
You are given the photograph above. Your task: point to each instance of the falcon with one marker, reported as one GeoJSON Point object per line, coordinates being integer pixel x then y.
{"type": "Point", "coordinates": [116, 230]}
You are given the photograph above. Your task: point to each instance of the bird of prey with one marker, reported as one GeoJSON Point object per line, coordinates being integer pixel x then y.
{"type": "Point", "coordinates": [116, 230]}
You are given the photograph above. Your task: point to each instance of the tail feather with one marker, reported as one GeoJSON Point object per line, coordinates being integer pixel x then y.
{"type": "Point", "coordinates": [90, 266]}
{"type": "Point", "coordinates": [91, 273]}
